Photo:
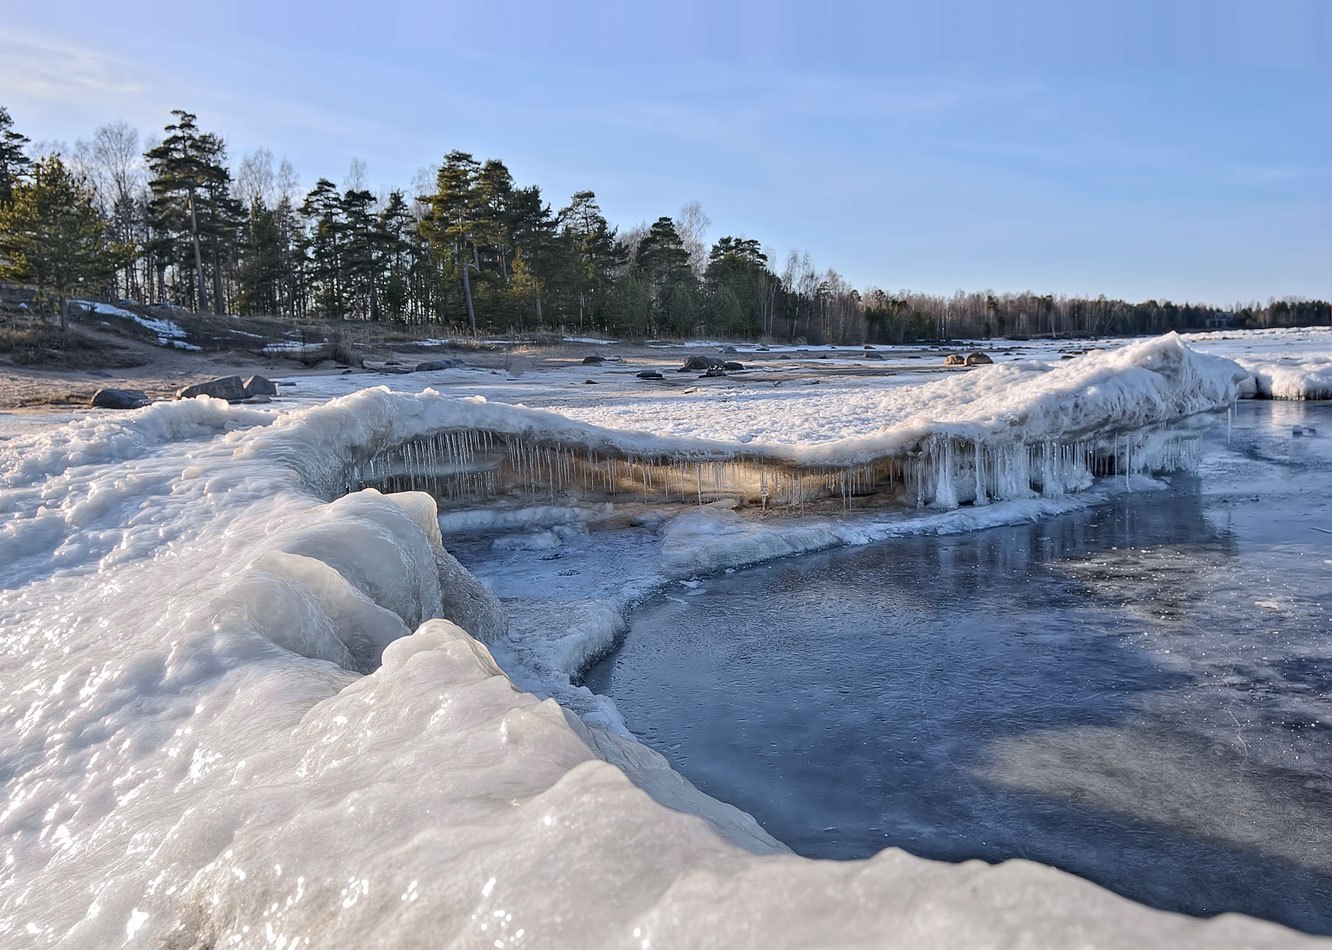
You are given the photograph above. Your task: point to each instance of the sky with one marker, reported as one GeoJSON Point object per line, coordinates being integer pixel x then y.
{"type": "Point", "coordinates": [1177, 149]}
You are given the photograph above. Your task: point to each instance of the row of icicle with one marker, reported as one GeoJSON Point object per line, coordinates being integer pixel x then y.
{"type": "Point", "coordinates": [476, 465]}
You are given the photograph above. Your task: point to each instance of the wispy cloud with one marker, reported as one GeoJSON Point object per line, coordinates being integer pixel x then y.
{"type": "Point", "coordinates": [58, 72]}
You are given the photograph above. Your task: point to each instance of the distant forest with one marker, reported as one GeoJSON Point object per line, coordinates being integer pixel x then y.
{"type": "Point", "coordinates": [465, 248]}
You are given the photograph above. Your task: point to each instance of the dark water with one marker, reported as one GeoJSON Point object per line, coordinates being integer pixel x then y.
{"type": "Point", "coordinates": [1140, 693]}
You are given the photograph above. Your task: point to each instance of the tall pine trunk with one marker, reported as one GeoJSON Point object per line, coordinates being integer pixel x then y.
{"type": "Point", "coordinates": [219, 306]}
{"type": "Point", "coordinates": [467, 292]}
{"type": "Point", "coordinates": [198, 256]}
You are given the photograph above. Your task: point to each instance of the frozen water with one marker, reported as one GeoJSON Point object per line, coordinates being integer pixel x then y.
{"type": "Point", "coordinates": [1136, 691]}
{"type": "Point", "coordinates": [242, 707]}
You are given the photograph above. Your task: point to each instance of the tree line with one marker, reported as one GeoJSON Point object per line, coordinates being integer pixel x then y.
{"type": "Point", "coordinates": [176, 222]}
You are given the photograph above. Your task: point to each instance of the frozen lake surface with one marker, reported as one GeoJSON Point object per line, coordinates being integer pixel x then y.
{"type": "Point", "coordinates": [1138, 692]}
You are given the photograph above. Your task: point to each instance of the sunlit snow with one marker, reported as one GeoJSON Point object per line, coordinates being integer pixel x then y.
{"type": "Point", "coordinates": [234, 714]}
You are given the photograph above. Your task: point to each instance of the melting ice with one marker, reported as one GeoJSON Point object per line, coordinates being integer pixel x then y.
{"type": "Point", "coordinates": [241, 707]}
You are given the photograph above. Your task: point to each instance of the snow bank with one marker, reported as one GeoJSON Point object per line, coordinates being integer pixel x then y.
{"type": "Point", "coordinates": [1307, 376]}
{"type": "Point", "coordinates": [169, 333]}
{"type": "Point", "coordinates": [193, 753]}
{"type": "Point", "coordinates": [999, 432]}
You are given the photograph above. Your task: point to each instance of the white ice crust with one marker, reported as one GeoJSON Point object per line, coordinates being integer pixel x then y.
{"type": "Point", "coordinates": [232, 713]}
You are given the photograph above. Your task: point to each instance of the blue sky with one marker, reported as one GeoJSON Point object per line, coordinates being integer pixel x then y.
{"type": "Point", "coordinates": [1171, 149]}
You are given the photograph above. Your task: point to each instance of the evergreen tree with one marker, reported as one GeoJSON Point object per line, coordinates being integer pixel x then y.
{"type": "Point", "coordinates": [535, 236]}
{"type": "Point", "coordinates": [451, 221]}
{"type": "Point", "coordinates": [323, 212]}
{"type": "Point", "coordinates": [51, 235]}
{"type": "Point", "coordinates": [360, 254]}
{"type": "Point", "coordinates": [191, 200]}
{"type": "Point", "coordinates": [13, 161]}
{"type": "Point", "coordinates": [742, 290]}
{"type": "Point", "coordinates": [663, 262]}
{"type": "Point", "coordinates": [595, 248]}
{"type": "Point", "coordinates": [494, 221]}
{"type": "Point", "coordinates": [393, 230]}
{"type": "Point", "coordinates": [263, 263]}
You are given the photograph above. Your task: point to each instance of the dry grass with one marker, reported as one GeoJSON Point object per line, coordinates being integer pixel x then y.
{"type": "Point", "coordinates": [40, 345]}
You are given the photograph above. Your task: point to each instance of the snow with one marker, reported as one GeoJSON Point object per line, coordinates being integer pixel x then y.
{"type": "Point", "coordinates": [293, 346]}
{"type": "Point", "coordinates": [1291, 377]}
{"type": "Point", "coordinates": [1285, 363]}
{"type": "Point", "coordinates": [588, 339]}
{"type": "Point", "coordinates": [169, 333]}
{"type": "Point", "coordinates": [232, 714]}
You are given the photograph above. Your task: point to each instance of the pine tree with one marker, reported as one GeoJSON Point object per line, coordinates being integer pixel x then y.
{"type": "Point", "coordinates": [595, 248]}
{"type": "Point", "coordinates": [263, 262]}
{"type": "Point", "coordinates": [663, 263]}
{"type": "Point", "coordinates": [740, 286]}
{"type": "Point", "coordinates": [325, 240]}
{"type": "Point", "coordinates": [451, 223]}
{"type": "Point", "coordinates": [12, 160]}
{"type": "Point", "coordinates": [360, 255]}
{"type": "Point", "coordinates": [51, 235]}
{"type": "Point", "coordinates": [393, 229]}
{"type": "Point", "coordinates": [192, 203]}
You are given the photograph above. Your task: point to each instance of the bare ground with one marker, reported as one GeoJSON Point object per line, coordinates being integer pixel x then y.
{"type": "Point", "coordinates": [38, 370]}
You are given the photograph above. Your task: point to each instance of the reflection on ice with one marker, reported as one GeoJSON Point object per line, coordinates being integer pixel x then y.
{"type": "Point", "coordinates": [1135, 692]}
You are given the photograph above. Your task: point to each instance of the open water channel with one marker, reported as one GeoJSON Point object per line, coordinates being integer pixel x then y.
{"type": "Point", "coordinates": [1139, 692]}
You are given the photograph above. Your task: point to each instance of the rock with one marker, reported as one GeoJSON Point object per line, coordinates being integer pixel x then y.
{"type": "Point", "coordinates": [763, 349]}
{"type": "Point", "coordinates": [430, 366]}
{"type": "Point", "coordinates": [695, 363]}
{"type": "Point", "coordinates": [259, 386]}
{"type": "Point", "coordinates": [730, 365]}
{"type": "Point", "coordinates": [589, 382]}
{"type": "Point", "coordinates": [868, 347]}
{"type": "Point", "coordinates": [714, 371]}
{"type": "Point", "coordinates": [872, 355]}
{"type": "Point", "coordinates": [978, 359]}
{"type": "Point", "coordinates": [729, 351]}
{"type": "Point", "coordinates": [229, 388]}
{"type": "Point", "coordinates": [593, 360]}
{"type": "Point", "coordinates": [119, 399]}
{"type": "Point", "coordinates": [952, 359]}
{"type": "Point", "coordinates": [650, 374]}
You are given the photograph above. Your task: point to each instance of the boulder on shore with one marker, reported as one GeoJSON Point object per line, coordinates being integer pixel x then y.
{"type": "Point", "coordinates": [230, 388]}
{"type": "Point", "coordinates": [430, 366]}
{"type": "Point", "coordinates": [695, 363]}
{"type": "Point", "coordinates": [732, 365]}
{"type": "Point", "coordinates": [260, 386]}
{"type": "Point", "coordinates": [649, 374]}
{"type": "Point", "coordinates": [593, 360]}
{"type": "Point", "coordinates": [119, 399]}
{"type": "Point", "coordinates": [978, 359]}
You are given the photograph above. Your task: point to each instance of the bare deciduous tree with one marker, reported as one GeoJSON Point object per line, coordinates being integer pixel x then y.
{"type": "Point", "coordinates": [255, 180]}
{"type": "Point", "coordinates": [692, 226]}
